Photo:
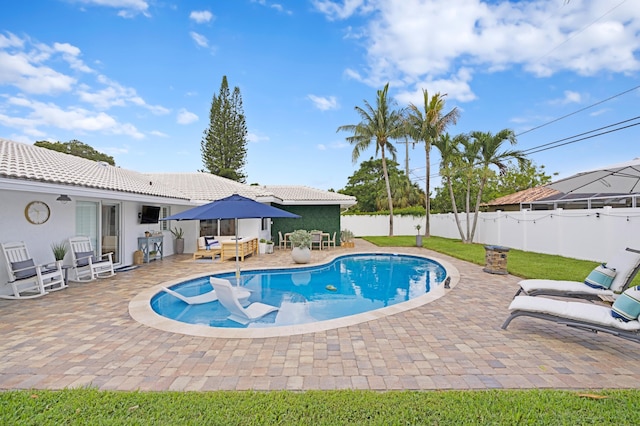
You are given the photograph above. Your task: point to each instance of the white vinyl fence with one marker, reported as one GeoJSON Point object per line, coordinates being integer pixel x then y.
{"type": "Point", "coordinates": [594, 234]}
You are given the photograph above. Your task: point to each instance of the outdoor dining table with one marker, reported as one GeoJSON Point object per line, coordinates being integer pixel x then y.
{"type": "Point", "coordinates": [287, 235]}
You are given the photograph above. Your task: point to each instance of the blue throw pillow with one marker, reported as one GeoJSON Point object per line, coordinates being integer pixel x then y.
{"type": "Point", "coordinates": [28, 269]}
{"type": "Point", "coordinates": [210, 241]}
{"type": "Point", "coordinates": [83, 258]}
{"type": "Point", "coordinates": [627, 306]}
{"type": "Point", "coordinates": [601, 277]}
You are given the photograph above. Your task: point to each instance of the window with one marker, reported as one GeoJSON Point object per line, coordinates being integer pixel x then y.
{"type": "Point", "coordinates": [165, 225]}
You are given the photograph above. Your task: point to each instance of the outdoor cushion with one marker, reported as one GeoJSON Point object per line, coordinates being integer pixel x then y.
{"type": "Point", "coordinates": [624, 263]}
{"type": "Point", "coordinates": [600, 277]}
{"type": "Point", "coordinates": [591, 313]}
{"type": "Point", "coordinates": [83, 258]}
{"type": "Point", "coordinates": [210, 241]}
{"type": "Point", "coordinates": [627, 307]}
{"type": "Point", "coordinates": [25, 273]}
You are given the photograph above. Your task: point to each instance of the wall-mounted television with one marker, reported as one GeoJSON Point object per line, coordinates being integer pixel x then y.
{"type": "Point", "coordinates": [150, 214]}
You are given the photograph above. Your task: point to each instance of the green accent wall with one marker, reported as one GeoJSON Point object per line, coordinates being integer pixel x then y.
{"type": "Point", "coordinates": [323, 218]}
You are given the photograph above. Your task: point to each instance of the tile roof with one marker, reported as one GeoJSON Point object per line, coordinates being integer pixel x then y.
{"type": "Point", "coordinates": [526, 196]}
{"type": "Point", "coordinates": [30, 162]}
{"type": "Point", "coordinates": [299, 193]}
{"type": "Point", "coordinates": [206, 186]}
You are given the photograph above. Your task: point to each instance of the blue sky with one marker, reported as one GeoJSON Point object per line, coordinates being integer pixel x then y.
{"type": "Point", "coordinates": [135, 78]}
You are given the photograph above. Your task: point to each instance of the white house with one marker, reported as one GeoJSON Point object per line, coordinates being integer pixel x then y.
{"type": "Point", "coordinates": [76, 196]}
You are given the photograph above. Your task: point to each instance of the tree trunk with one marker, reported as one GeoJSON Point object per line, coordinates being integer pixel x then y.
{"type": "Point", "coordinates": [386, 181]}
{"type": "Point", "coordinates": [427, 201]}
{"type": "Point", "coordinates": [455, 208]}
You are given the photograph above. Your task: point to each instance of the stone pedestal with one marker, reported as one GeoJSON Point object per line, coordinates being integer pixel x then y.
{"type": "Point", "coordinates": [496, 260]}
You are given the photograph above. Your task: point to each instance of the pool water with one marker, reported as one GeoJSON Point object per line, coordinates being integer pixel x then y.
{"type": "Point", "coordinates": [348, 285]}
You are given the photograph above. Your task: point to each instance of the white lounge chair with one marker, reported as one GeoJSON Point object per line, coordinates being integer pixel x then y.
{"type": "Point", "coordinates": [86, 264]}
{"type": "Point", "coordinates": [587, 316]}
{"type": "Point", "coordinates": [626, 264]}
{"type": "Point", "coordinates": [210, 296]}
{"type": "Point", "coordinates": [27, 279]}
{"type": "Point", "coordinates": [239, 314]}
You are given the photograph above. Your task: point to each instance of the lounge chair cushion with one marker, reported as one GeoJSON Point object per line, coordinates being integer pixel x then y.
{"type": "Point", "coordinates": [83, 258]}
{"type": "Point", "coordinates": [624, 263]}
{"type": "Point", "coordinates": [627, 306]}
{"type": "Point", "coordinates": [601, 277]}
{"type": "Point", "coordinates": [579, 311]}
{"type": "Point", "coordinates": [24, 273]}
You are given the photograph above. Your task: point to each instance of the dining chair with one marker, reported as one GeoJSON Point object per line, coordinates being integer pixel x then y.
{"type": "Point", "coordinates": [330, 241]}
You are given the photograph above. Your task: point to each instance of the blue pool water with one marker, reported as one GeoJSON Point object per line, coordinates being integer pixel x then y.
{"type": "Point", "coordinates": [362, 282]}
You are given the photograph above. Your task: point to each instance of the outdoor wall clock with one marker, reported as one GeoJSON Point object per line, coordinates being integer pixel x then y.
{"type": "Point", "coordinates": [37, 212]}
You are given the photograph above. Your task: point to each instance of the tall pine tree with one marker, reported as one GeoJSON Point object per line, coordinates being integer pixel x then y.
{"type": "Point", "coordinates": [224, 143]}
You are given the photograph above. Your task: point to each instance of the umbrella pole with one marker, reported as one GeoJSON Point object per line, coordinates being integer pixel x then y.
{"type": "Point", "coordinates": [237, 261]}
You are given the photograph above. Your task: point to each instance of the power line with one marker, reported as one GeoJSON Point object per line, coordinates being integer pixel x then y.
{"type": "Point", "coordinates": [536, 148]}
{"type": "Point", "coordinates": [578, 111]}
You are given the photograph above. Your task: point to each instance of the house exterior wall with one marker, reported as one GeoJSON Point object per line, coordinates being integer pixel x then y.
{"type": "Point", "coordinates": [62, 225]}
{"type": "Point", "coordinates": [323, 218]}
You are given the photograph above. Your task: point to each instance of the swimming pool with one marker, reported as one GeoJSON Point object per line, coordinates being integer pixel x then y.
{"type": "Point", "coordinates": [348, 286]}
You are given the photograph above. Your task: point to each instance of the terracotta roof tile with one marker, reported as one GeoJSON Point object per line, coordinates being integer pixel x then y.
{"type": "Point", "coordinates": [526, 196]}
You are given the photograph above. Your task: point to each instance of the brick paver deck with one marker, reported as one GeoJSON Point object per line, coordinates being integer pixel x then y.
{"type": "Point", "coordinates": [84, 336]}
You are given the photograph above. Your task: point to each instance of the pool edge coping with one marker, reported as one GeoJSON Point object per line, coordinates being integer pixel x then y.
{"type": "Point", "coordinates": [140, 307]}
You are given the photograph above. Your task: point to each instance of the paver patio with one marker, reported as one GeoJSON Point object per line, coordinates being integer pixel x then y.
{"type": "Point", "coordinates": [84, 336]}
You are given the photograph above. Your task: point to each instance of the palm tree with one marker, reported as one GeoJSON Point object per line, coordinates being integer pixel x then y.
{"type": "Point", "coordinates": [490, 152]}
{"type": "Point", "coordinates": [381, 124]}
{"type": "Point", "coordinates": [427, 127]}
{"type": "Point", "coordinates": [450, 158]}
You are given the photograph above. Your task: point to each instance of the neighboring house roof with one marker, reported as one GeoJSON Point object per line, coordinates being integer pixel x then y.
{"type": "Point", "coordinates": [526, 196]}
{"type": "Point", "coordinates": [297, 194]}
{"type": "Point", "coordinates": [199, 186]}
{"type": "Point", "coordinates": [30, 162]}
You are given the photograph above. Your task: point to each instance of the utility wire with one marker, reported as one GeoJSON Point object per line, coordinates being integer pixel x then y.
{"type": "Point", "coordinates": [578, 111]}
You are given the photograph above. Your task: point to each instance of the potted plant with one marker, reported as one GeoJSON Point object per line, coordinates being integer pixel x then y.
{"type": "Point", "coordinates": [178, 234]}
{"type": "Point", "coordinates": [59, 251]}
{"type": "Point", "coordinates": [346, 238]}
{"type": "Point", "coordinates": [418, 236]}
{"type": "Point", "coordinates": [301, 246]}
{"type": "Point", "coordinates": [269, 247]}
{"type": "Point", "coordinates": [262, 246]}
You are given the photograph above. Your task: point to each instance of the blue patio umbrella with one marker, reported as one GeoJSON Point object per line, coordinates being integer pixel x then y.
{"type": "Point", "coordinates": [232, 207]}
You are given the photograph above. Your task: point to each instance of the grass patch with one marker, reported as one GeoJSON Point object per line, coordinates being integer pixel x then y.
{"type": "Point", "coordinates": [523, 264]}
{"type": "Point", "coordinates": [90, 406]}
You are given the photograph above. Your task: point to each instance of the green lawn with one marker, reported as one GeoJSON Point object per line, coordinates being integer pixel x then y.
{"type": "Point", "coordinates": [533, 407]}
{"type": "Point", "coordinates": [495, 407]}
{"type": "Point", "coordinates": [520, 263]}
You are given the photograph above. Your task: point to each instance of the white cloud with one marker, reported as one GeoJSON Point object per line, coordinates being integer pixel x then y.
{"type": "Point", "coordinates": [414, 41]}
{"type": "Point", "coordinates": [32, 115]}
{"type": "Point", "coordinates": [457, 88]}
{"type": "Point", "coordinates": [114, 95]}
{"type": "Point", "coordinates": [254, 137]}
{"type": "Point", "coordinates": [321, 147]}
{"type": "Point", "coordinates": [127, 8]}
{"type": "Point", "coordinates": [70, 54]}
{"type": "Point", "coordinates": [201, 17]}
{"type": "Point", "coordinates": [186, 117]}
{"type": "Point", "coordinates": [324, 103]}
{"type": "Point", "coordinates": [570, 97]}
{"type": "Point", "coordinates": [335, 11]}
{"type": "Point", "coordinates": [277, 6]}
{"type": "Point", "coordinates": [199, 39]}
{"type": "Point", "coordinates": [159, 134]}
{"type": "Point", "coordinates": [17, 69]}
